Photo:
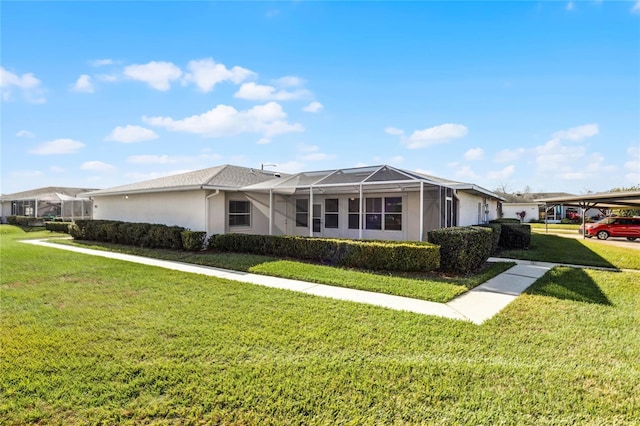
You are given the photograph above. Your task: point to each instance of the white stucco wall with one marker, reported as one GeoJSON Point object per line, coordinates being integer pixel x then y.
{"type": "Point", "coordinates": [475, 209]}
{"type": "Point", "coordinates": [182, 208]}
{"type": "Point", "coordinates": [510, 210]}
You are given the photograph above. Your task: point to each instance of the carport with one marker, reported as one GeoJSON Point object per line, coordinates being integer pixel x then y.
{"type": "Point", "coordinates": [602, 200]}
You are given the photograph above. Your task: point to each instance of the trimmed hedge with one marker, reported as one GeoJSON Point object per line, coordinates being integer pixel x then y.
{"type": "Point", "coordinates": [136, 234]}
{"type": "Point", "coordinates": [193, 240]}
{"type": "Point", "coordinates": [495, 237]}
{"type": "Point", "coordinates": [515, 236]}
{"type": "Point", "coordinates": [462, 249]}
{"type": "Point", "coordinates": [58, 226]}
{"type": "Point", "coordinates": [374, 255]}
{"type": "Point", "coordinates": [505, 220]}
{"type": "Point", "coordinates": [25, 220]}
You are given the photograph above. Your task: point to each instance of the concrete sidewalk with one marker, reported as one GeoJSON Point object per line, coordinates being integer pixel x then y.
{"type": "Point", "coordinates": [476, 305]}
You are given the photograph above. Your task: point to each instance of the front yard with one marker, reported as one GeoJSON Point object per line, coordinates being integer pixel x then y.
{"type": "Point", "coordinates": [92, 340]}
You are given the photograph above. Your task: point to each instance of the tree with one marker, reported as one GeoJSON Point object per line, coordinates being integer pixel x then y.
{"type": "Point", "coordinates": [627, 211]}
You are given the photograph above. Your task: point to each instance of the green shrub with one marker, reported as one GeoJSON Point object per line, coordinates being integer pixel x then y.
{"type": "Point", "coordinates": [515, 236]}
{"type": "Point", "coordinates": [193, 240]}
{"type": "Point", "coordinates": [138, 234]}
{"type": "Point", "coordinates": [462, 249]}
{"type": "Point", "coordinates": [505, 220]}
{"type": "Point", "coordinates": [375, 255]}
{"type": "Point", "coordinates": [496, 228]}
{"type": "Point", "coordinates": [58, 226]}
{"type": "Point", "coordinates": [26, 221]}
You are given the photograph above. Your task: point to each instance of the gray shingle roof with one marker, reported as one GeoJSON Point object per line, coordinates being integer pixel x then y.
{"type": "Point", "coordinates": [219, 177]}
{"type": "Point", "coordinates": [47, 192]}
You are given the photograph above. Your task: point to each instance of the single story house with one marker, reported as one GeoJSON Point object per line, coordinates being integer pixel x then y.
{"type": "Point", "coordinates": [376, 202]}
{"type": "Point", "coordinates": [51, 201]}
{"type": "Point", "coordinates": [535, 209]}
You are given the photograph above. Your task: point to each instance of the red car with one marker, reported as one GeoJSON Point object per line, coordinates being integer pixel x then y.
{"type": "Point", "coordinates": [628, 227]}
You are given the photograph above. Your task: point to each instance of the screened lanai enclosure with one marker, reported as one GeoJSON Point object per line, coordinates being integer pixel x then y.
{"type": "Point", "coordinates": [378, 202]}
{"type": "Point", "coordinates": [53, 202]}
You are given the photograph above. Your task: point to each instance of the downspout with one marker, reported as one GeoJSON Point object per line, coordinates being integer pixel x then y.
{"type": "Point", "coordinates": [270, 211]}
{"type": "Point", "coordinates": [206, 210]}
{"type": "Point", "coordinates": [421, 210]}
{"type": "Point", "coordinates": [311, 211]}
{"type": "Point", "coordinates": [360, 208]}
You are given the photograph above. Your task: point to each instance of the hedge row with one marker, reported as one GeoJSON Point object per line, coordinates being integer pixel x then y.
{"type": "Point", "coordinates": [135, 234]}
{"type": "Point", "coordinates": [58, 226]}
{"type": "Point", "coordinates": [515, 236]}
{"type": "Point", "coordinates": [462, 249]}
{"type": "Point", "coordinates": [375, 255]}
{"type": "Point", "coordinates": [25, 220]}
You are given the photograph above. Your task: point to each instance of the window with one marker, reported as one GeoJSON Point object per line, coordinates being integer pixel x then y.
{"type": "Point", "coordinates": [302, 213]}
{"type": "Point", "coordinates": [393, 213]}
{"type": "Point", "coordinates": [373, 216]}
{"type": "Point", "coordinates": [384, 216]}
{"type": "Point", "coordinates": [239, 213]}
{"type": "Point", "coordinates": [354, 213]}
{"type": "Point", "coordinates": [331, 213]}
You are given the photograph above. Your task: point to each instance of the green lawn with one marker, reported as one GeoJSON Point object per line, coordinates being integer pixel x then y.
{"type": "Point", "coordinates": [553, 248]}
{"type": "Point", "coordinates": [88, 340]}
{"type": "Point", "coordinates": [425, 286]}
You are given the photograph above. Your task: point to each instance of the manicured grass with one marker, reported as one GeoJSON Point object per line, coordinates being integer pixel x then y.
{"type": "Point", "coordinates": [552, 248]}
{"type": "Point", "coordinates": [555, 228]}
{"type": "Point", "coordinates": [88, 340]}
{"type": "Point", "coordinates": [425, 286]}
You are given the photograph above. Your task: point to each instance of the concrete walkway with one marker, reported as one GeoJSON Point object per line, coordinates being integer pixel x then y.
{"type": "Point", "coordinates": [476, 305]}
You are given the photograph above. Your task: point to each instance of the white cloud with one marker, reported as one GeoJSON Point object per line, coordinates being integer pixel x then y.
{"type": "Point", "coordinates": [308, 148]}
{"type": "Point", "coordinates": [131, 134]}
{"type": "Point", "coordinates": [503, 174]}
{"type": "Point", "coordinates": [57, 169]}
{"type": "Point", "coordinates": [25, 134]}
{"type": "Point", "coordinates": [290, 167]}
{"type": "Point", "coordinates": [289, 81]}
{"type": "Point", "coordinates": [555, 158]}
{"type": "Point", "coordinates": [97, 166]}
{"type": "Point", "coordinates": [206, 73]}
{"type": "Point", "coordinates": [465, 172]}
{"type": "Point", "coordinates": [28, 85]}
{"type": "Point", "coordinates": [272, 13]}
{"type": "Point", "coordinates": [58, 146]}
{"type": "Point", "coordinates": [394, 131]}
{"type": "Point", "coordinates": [509, 155]}
{"type": "Point", "coordinates": [569, 6]}
{"type": "Point", "coordinates": [101, 62]}
{"type": "Point", "coordinates": [83, 84]}
{"type": "Point", "coordinates": [158, 75]}
{"type": "Point", "coordinates": [398, 159]}
{"type": "Point", "coordinates": [474, 154]}
{"type": "Point", "coordinates": [259, 92]}
{"type": "Point", "coordinates": [263, 141]}
{"type": "Point", "coordinates": [636, 7]}
{"type": "Point", "coordinates": [632, 167]}
{"type": "Point", "coordinates": [434, 135]}
{"type": "Point", "coordinates": [576, 134]}
{"type": "Point", "coordinates": [267, 120]}
{"type": "Point", "coordinates": [313, 107]}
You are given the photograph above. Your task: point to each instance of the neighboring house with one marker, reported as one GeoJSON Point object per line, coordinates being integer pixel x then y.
{"type": "Point", "coordinates": [379, 202]}
{"type": "Point", "coordinates": [52, 201]}
{"type": "Point", "coordinates": [535, 210]}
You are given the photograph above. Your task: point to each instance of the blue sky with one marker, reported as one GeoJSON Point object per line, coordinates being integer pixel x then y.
{"type": "Point", "coordinates": [544, 95]}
